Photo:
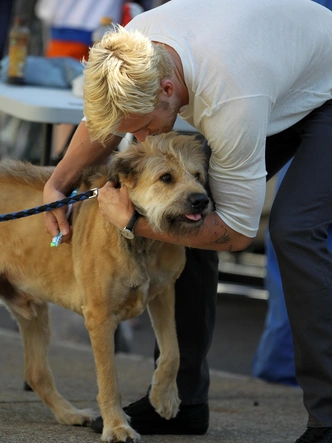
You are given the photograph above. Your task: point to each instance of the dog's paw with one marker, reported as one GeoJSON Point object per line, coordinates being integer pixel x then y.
{"type": "Point", "coordinates": [123, 433]}
{"type": "Point", "coordinates": [165, 402]}
{"type": "Point", "coordinates": [76, 417]}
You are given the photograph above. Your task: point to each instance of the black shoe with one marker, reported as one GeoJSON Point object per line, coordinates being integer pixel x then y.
{"type": "Point", "coordinates": [191, 419]}
{"type": "Point", "coordinates": [316, 435]}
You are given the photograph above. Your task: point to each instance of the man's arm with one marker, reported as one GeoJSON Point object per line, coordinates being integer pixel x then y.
{"type": "Point", "coordinates": [81, 153]}
{"type": "Point", "coordinates": [116, 206]}
{"type": "Point", "coordinates": [215, 235]}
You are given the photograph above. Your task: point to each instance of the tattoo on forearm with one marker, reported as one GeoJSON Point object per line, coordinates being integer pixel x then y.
{"type": "Point", "coordinates": [225, 238]}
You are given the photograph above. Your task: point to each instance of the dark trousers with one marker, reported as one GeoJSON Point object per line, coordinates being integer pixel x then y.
{"type": "Point", "coordinates": [299, 221]}
{"type": "Point", "coordinates": [195, 307]}
{"type": "Point", "coordinates": [195, 310]}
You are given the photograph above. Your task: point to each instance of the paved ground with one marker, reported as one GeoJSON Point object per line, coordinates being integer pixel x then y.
{"type": "Point", "coordinates": [243, 410]}
{"type": "Point", "coordinates": [239, 323]}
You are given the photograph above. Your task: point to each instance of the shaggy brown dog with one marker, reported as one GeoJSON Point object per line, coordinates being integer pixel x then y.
{"type": "Point", "coordinates": [102, 275]}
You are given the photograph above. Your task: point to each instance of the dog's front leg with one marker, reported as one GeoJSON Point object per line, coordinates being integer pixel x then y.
{"type": "Point", "coordinates": [164, 392]}
{"type": "Point", "coordinates": [101, 326]}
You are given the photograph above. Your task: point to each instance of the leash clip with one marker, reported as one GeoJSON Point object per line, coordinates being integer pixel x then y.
{"type": "Point", "coordinates": [94, 193]}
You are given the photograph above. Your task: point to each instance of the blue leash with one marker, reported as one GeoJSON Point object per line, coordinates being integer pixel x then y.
{"type": "Point", "coordinates": [49, 206]}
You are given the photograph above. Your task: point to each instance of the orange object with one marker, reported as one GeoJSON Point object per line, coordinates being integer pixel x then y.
{"type": "Point", "coordinates": [63, 48]}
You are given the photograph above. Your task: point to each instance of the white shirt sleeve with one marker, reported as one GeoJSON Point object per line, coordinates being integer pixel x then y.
{"type": "Point", "coordinates": [237, 173]}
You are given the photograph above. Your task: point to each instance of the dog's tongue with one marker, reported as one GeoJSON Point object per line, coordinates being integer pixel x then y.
{"type": "Point", "coordinates": [195, 217]}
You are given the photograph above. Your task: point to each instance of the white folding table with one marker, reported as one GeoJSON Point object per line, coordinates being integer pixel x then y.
{"type": "Point", "coordinates": [50, 106]}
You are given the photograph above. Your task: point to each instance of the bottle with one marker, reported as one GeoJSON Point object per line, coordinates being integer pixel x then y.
{"type": "Point", "coordinates": [19, 36]}
{"type": "Point", "coordinates": [106, 25]}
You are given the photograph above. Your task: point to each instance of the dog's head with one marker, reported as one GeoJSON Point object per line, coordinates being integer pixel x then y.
{"type": "Point", "coordinates": [165, 176]}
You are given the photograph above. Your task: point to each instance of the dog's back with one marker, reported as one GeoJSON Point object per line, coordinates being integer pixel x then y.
{"type": "Point", "coordinates": [27, 263]}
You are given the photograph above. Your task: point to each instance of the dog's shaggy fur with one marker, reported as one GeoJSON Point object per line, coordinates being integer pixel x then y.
{"type": "Point", "coordinates": [101, 275]}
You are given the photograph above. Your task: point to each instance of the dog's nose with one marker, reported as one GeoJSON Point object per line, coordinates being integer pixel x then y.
{"type": "Point", "coordinates": [198, 201]}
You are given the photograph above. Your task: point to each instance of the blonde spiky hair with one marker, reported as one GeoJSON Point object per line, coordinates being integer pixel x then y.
{"type": "Point", "coordinates": [122, 75]}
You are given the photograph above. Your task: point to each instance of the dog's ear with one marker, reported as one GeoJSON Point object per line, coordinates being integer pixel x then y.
{"type": "Point", "coordinates": [115, 179]}
{"type": "Point", "coordinates": [121, 164]}
{"type": "Point", "coordinates": [126, 165]}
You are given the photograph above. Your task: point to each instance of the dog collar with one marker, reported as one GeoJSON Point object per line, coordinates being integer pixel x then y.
{"type": "Point", "coordinates": [128, 231]}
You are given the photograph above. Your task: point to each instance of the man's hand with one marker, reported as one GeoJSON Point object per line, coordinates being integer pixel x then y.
{"type": "Point", "coordinates": [115, 204]}
{"type": "Point", "coordinates": [80, 154]}
{"type": "Point", "coordinates": [55, 220]}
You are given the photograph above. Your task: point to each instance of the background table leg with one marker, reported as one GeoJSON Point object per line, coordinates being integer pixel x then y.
{"type": "Point", "coordinates": [47, 145]}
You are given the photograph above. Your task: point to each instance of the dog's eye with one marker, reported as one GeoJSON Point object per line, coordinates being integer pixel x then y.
{"type": "Point", "coordinates": [167, 178]}
{"type": "Point", "coordinates": [198, 176]}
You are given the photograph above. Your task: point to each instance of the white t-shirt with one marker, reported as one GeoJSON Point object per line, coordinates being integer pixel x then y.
{"type": "Point", "coordinates": [252, 68]}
